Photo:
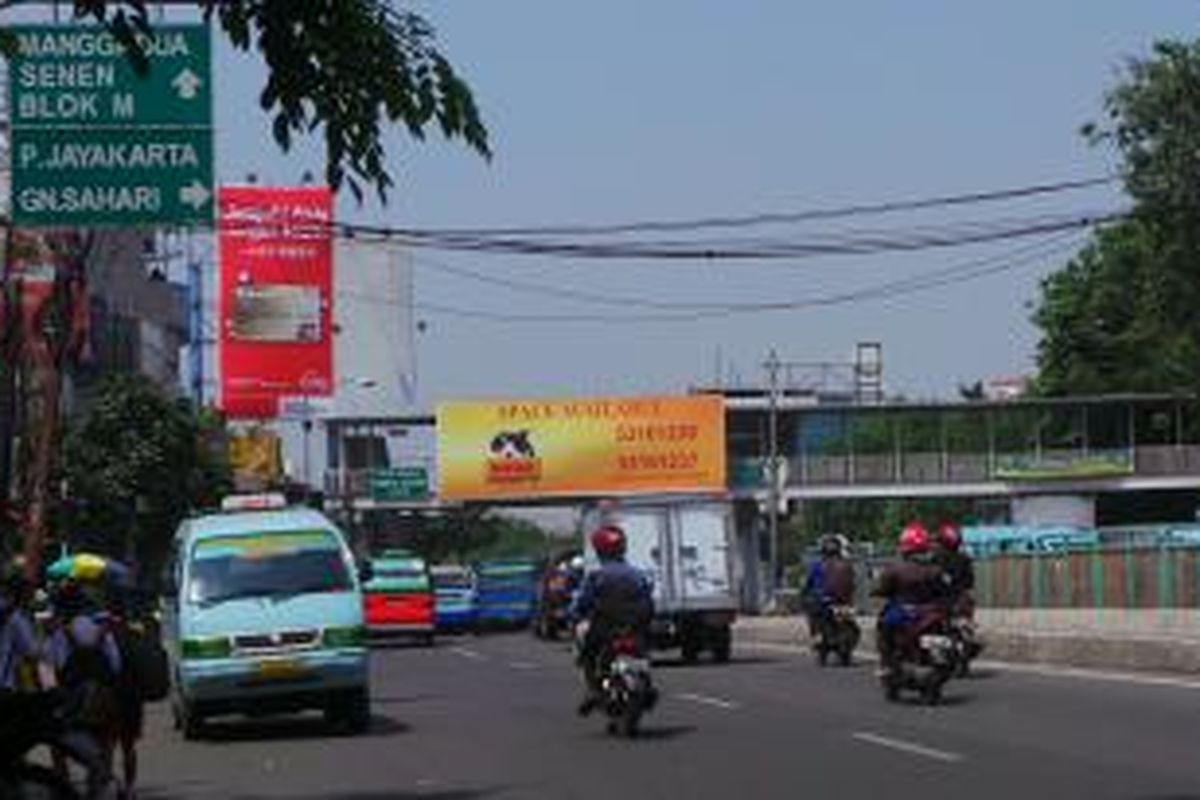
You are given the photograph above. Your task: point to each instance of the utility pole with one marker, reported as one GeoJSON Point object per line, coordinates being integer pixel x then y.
{"type": "Point", "coordinates": [196, 333]}
{"type": "Point", "coordinates": [773, 366]}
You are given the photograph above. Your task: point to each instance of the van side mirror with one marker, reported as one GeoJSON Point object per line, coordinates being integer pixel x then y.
{"type": "Point", "coordinates": [365, 572]}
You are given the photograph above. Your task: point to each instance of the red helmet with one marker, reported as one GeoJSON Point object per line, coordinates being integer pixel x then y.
{"type": "Point", "coordinates": [609, 542]}
{"type": "Point", "coordinates": [914, 539]}
{"type": "Point", "coordinates": [950, 536]}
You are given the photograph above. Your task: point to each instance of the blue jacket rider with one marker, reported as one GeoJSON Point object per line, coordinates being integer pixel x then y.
{"type": "Point", "coordinates": [614, 598]}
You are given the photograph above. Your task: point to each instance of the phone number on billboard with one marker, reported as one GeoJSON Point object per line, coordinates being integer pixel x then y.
{"type": "Point", "coordinates": [680, 432]}
{"type": "Point", "coordinates": [658, 461]}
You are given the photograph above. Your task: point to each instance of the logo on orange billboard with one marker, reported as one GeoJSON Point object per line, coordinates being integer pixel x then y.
{"type": "Point", "coordinates": [512, 458]}
{"type": "Point", "coordinates": [581, 447]}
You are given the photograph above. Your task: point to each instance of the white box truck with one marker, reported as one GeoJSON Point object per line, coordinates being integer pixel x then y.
{"type": "Point", "coordinates": [685, 546]}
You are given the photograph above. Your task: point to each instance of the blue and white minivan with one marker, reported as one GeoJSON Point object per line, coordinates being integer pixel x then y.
{"type": "Point", "coordinates": [265, 615]}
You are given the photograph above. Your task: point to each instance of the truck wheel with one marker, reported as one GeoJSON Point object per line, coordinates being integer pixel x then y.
{"type": "Point", "coordinates": [722, 647]}
{"type": "Point", "coordinates": [690, 649]}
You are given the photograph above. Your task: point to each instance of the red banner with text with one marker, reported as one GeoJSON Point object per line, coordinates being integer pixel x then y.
{"type": "Point", "coordinates": [275, 297]}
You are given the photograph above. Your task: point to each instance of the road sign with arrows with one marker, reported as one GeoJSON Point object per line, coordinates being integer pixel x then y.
{"type": "Point", "coordinates": [96, 142]}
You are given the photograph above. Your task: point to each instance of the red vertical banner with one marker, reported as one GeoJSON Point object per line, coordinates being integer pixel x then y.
{"type": "Point", "coordinates": [275, 297]}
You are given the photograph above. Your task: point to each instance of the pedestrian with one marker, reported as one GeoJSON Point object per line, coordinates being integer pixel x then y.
{"type": "Point", "coordinates": [19, 647]}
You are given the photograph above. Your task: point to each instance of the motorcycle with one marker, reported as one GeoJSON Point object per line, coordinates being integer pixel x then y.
{"type": "Point", "coordinates": [839, 634]}
{"type": "Point", "coordinates": [626, 687]}
{"type": "Point", "coordinates": [554, 604]}
{"type": "Point", "coordinates": [926, 659]}
{"type": "Point", "coordinates": [29, 720]}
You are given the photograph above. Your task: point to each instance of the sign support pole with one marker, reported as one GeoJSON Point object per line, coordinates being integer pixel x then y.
{"type": "Point", "coordinates": [773, 366]}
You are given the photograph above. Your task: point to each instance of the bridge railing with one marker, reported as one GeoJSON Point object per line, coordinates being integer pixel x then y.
{"type": "Point", "coordinates": [925, 467]}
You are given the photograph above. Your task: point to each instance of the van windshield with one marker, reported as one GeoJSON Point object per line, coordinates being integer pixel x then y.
{"type": "Point", "coordinates": [267, 565]}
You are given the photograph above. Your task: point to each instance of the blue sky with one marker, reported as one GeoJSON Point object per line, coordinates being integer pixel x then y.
{"type": "Point", "coordinates": [681, 108]}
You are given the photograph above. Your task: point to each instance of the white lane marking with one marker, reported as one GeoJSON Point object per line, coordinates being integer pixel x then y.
{"type": "Point", "coordinates": [466, 652]}
{"type": "Point", "coordinates": [705, 700]}
{"type": "Point", "coordinates": [1041, 670]}
{"type": "Point", "coordinates": [912, 748]}
{"type": "Point", "coordinates": [523, 665]}
{"type": "Point", "coordinates": [1050, 671]}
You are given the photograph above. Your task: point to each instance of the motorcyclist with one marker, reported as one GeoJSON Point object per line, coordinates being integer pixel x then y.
{"type": "Point", "coordinates": [957, 567]}
{"type": "Point", "coordinates": [829, 583]}
{"type": "Point", "coordinates": [909, 587]}
{"type": "Point", "coordinates": [615, 598]}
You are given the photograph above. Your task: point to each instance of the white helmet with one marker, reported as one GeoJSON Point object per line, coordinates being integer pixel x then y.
{"type": "Point", "coordinates": [577, 563]}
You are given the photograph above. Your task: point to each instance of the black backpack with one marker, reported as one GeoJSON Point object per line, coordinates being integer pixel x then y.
{"type": "Point", "coordinates": [147, 664]}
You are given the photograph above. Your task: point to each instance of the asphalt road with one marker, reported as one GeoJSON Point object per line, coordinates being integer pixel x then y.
{"type": "Point", "coordinates": [492, 717]}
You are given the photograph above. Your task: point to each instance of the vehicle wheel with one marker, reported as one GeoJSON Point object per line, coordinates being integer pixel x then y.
{"type": "Point", "coordinates": [428, 640]}
{"type": "Point", "coordinates": [629, 722]}
{"type": "Point", "coordinates": [351, 711]}
{"type": "Point", "coordinates": [891, 688]}
{"type": "Point", "coordinates": [846, 656]}
{"type": "Point", "coordinates": [932, 694]}
{"type": "Point", "coordinates": [191, 721]}
{"type": "Point", "coordinates": [690, 650]}
{"type": "Point", "coordinates": [722, 648]}
{"type": "Point", "coordinates": [822, 655]}
{"type": "Point", "coordinates": [36, 781]}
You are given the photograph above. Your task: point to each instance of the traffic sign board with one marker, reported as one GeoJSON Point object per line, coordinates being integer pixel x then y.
{"type": "Point", "coordinates": [399, 485]}
{"type": "Point", "coordinates": [94, 142]}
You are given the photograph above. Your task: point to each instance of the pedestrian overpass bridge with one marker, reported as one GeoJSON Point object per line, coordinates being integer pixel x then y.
{"type": "Point", "coordinates": [843, 450]}
{"type": "Point", "coordinates": [1005, 449]}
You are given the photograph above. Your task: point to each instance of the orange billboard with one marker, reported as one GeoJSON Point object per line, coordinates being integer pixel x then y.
{"type": "Point", "coordinates": [580, 447]}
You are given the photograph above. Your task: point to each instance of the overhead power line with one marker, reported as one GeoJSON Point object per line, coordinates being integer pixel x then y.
{"type": "Point", "coordinates": [927, 281]}
{"type": "Point", "coordinates": [783, 217]}
{"type": "Point", "coordinates": [848, 243]}
{"type": "Point", "coordinates": [628, 301]}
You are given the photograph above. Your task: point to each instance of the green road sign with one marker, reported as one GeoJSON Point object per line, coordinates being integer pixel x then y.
{"type": "Point", "coordinates": [399, 485]}
{"type": "Point", "coordinates": [112, 176]}
{"type": "Point", "coordinates": [95, 143]}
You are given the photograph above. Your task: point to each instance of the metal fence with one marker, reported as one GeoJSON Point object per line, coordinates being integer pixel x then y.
{"type": "Point", "coordinates": [1115, 577]}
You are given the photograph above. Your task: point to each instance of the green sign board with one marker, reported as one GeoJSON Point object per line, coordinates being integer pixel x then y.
{"type": "Point", "coordinates": [96, 143]}
{"type": "Point", "coordinates": [400, 485]}
{"type": "Point", "coordinates": [1049, 466]}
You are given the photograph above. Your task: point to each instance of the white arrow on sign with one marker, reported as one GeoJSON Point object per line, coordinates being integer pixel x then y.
{"type": "Point", "coordinates": [195, 194]}
{"type": "Point", "coordinates": [187, 84]}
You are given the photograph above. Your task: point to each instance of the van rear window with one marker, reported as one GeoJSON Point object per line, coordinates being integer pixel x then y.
{"type": "Point", "coordinates": [270, 564]}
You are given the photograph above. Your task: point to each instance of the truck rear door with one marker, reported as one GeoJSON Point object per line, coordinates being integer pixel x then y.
{"type": "Point", "coordinates": [703, 558]}
{"type": "Point", "coordinates": [646, 534]}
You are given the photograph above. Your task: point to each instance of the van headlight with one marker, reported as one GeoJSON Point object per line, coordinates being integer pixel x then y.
{"type": "Point", "coordinates": [345, 636]}
{"type": "Point", "coordinates": [207, 647]}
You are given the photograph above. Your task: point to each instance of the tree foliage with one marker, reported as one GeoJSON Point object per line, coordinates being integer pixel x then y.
{"type": "Point", "coordinates": [349, 67]}
{"type": "Point", "coordinates": [136, 464]}
{"type": "Point", "coordinates": [1124, 314]}
{"type": "Point", "coordinates": [469, 535]}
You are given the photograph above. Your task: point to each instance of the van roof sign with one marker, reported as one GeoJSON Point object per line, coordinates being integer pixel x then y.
{"type": "Point", "coordinates": [271, 501]}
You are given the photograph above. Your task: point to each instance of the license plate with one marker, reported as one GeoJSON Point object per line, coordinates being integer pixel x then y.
{"type": "Point", "coordinates": [936, 642]}
{"type": "Point", "coordinates": [281, 669]}
{"type": "Point", "coordinates": [631, 665]}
